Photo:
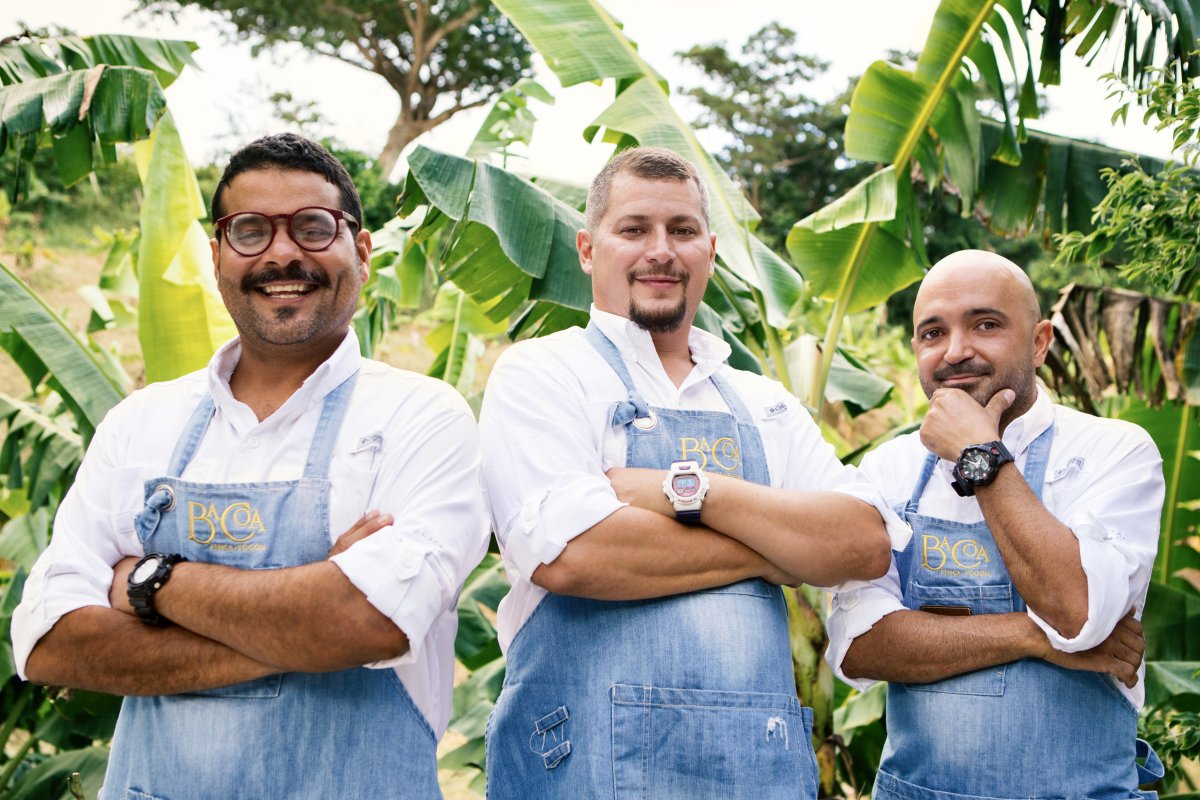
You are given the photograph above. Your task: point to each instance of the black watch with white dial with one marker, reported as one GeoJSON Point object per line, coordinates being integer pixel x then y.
{"type": "Point", "coordinates": [978, 465]}
{"type": "Point", "coordinates": [149, 575]}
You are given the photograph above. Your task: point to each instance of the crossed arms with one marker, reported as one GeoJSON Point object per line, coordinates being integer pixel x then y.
{"type": "Point", "coordinates": [384, 580]}
{"type": "Point", "coordinates": [231, 625]}
{"type": "Point", "coordinates": [1073, 621]}
{"type": "Point", "coordinates": [573, 529]}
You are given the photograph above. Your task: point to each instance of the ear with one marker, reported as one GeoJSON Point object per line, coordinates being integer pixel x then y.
{"type": "Point", "coordinates": [216, 257]}
{"type": "Point", "coordinates": [362, 244]}
{"type": "Point", "coordinates": [1043, 335]}
{"type": "Point", "coordinates": [712, 254]}
{"type": "Point", "coordinates": [583, 243]}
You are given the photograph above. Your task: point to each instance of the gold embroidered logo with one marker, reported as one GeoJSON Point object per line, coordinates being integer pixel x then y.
{"type": "Point", "coordinates": [237, 522]}
{"type": "Point", "coordinates": [963, 557]}
{"type": "Point", "coordinates": [722, 454]}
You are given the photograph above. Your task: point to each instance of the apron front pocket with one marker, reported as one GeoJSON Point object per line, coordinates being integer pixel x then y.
{"type": "Point", "coordinates": [686, 743]}
{"type": "Point", "coordinates": [264, 688]}
{"type": "Point", "coordinates": [963, 600]}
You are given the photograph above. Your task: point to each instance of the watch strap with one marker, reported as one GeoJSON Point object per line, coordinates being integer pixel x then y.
{"type": "Point", "coordinates": [690, 517]}
{"type": "Point", "coordinates": [998, 456]}
{"type": "Point", "coordinates": [141, 595]}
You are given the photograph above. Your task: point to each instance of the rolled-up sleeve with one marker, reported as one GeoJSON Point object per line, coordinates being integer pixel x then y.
{"type": "Point", "coordinates": [855, 608]}
{"type": "Point", "coordinates": [92, 531]}
{"type": "Point", "coordinates": [542, 467]}
{"type": "Point", "coordinates": [1116, 520]}
{"type": "Point", "coordinates": [411, 571]}
{"type": "Point", "coordinates": [813, 465]}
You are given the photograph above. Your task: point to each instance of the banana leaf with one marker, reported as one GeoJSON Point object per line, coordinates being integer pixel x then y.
{"type": "Point", "coordinates": [581, 42]}
{"type": "Point", "coordinates": [459, 338]}
{"type": "Point", "coordinates": [39, 453]}
{"type": "Point", "coordinates": [46, 349]}
{"type": "Point", "coordinates": [79, 110]}
{"type": "Point", "coordinates": [40, 58]}
{"type": "Point", "coordinates": [48, 780]}
{"type": "Point", "coordinates": [505, 240]}
{"type": "Point", "coordinates": [181, 319]}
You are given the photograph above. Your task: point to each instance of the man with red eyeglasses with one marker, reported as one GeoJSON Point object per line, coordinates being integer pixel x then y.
{"type": "Point", "coordinates": [208, 563]}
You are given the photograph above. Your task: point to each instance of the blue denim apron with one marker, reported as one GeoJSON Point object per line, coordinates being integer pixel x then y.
{"type": "Point", "coordinates": [682, 697]}
{"type": "Point", "coordinates": [1027, 729]}
{"type": "Point", "coordinates": [352, 733]}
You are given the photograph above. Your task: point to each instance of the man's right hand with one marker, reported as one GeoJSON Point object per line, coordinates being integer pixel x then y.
{"type": "Point", "coordinates": [1119, 655]}
{"type": "Point", "coordinates": [367, 524]}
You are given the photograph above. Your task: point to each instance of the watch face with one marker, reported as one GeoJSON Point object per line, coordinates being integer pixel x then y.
{"type": "Point", "coordinates": [685, 485]}
{"type": "Point", "coordinates": [975, 465]}
{"type": "Point", "coordinates": [145, 570]}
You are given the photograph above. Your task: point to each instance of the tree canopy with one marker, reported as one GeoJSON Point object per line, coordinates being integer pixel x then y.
{"type": "Point", "coordinates": [440, 57]}
{"type": "Point", "coordinates": [785, 146]}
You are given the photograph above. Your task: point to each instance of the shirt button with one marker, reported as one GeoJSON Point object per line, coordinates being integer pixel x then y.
{"type": "Point", "coordinates": [252, 442]}
{"type": "Point", "coordinates": [847, 600]}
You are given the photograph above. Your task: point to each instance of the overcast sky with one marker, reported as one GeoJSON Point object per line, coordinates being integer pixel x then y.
{"type": "Point", "coordinates": [224, 104]}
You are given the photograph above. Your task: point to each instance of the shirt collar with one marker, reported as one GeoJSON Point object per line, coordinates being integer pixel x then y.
{"type": "Point", "coordinates": [1021, 432]}
{"type": "Point", "coordinates": [324, 379]}
{"type": "Point", "coordinates": [635, 343]}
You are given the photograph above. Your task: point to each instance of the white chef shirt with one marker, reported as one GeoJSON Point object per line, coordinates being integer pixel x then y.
{"type": "Point", "coordinates": [547, 441]}
{"type": "Point", "coordinates": [1104, 481]}
{"type": "Point", "coordinates": [426, 474]}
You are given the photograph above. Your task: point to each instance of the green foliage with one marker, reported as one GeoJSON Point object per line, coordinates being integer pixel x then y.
{"type": "Point", "coordinates": [1152, 221]}
{"type": "Point", "coordinates": [54, 214]}
{"type": "Point", "coordinates": [510, 120]}
{"type": "Point", "coordinates": [785, 148]}
{"type": "Point", "coordinates": [380, 198]}
{"type": "Point", "coordinates": [1147, 220]}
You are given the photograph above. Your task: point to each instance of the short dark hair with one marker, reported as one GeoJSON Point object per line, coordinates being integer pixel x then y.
{"type": "Point", "coordinates": [649, 163]}
{"type": "Point", "coordinates": [290, 151]}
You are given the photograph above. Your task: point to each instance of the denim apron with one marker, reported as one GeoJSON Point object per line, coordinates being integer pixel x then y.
{"type": "Point", "coordinates": [1027, 729]}
{"type": "Point", "coordinates": [675, 698]}
{"type": "Point", "coordinates": [352, 733]}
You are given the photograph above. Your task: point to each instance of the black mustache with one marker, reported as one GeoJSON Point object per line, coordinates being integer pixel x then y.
{"type": "Point", "coordinates": [292, 273]}
{"type": "Point", "coordinates": [961, 371]}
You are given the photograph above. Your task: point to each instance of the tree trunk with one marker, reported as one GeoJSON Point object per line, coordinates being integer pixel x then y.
{"type": "Point", "coordinates": [403, 132]}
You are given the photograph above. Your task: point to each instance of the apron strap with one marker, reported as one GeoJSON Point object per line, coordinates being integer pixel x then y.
{"type": "Point", "coordinates": [193, 433]}
{"type": "Point", "coordinates": [333, 411]}
{"type": "Point", "coordinates": [926, 473]}
{"type": "Point", "coordinates": [634, 406]}
{"type": "Point", "coordinates": [1036, 461]}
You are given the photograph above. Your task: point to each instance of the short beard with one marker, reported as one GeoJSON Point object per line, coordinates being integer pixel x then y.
{"type": "Point", "coordinates": [664, 321]}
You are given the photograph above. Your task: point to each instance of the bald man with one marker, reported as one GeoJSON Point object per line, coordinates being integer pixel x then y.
{"type": "Point", "coordinates": [1007, 626]}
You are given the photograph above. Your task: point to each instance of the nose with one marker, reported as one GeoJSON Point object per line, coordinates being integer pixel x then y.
{"type": "Point", "coordinates": [958, 348]}
{"type": "Point", "coordinates": [659, 248]}
{"type": "Point", "coordinates": [283, 249]}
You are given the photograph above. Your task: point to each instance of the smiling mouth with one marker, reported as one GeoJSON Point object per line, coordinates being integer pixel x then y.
{"type": "Point", "coordinates": [285, 291]}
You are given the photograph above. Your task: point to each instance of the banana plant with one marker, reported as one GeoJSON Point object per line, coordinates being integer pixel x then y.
{"type": "Point", "coordinates": [80, 95]}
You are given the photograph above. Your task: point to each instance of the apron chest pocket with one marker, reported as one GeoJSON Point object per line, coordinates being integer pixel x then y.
{"type": "Point", "coordinates": [670, 742]}
{"type": "Point", "coordinates": [963, 600]}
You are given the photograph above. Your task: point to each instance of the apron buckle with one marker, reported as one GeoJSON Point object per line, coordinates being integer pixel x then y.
{"type": "Point", "coordinates": [647, 422]}
{"type": "Point", "coordinates": [170, 492]}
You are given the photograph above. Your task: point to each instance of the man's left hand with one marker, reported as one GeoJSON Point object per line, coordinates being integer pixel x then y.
{"type": "Point", "coordinates": [641, 488]}
{"type": "Point", "coordinates": [956, 420]}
